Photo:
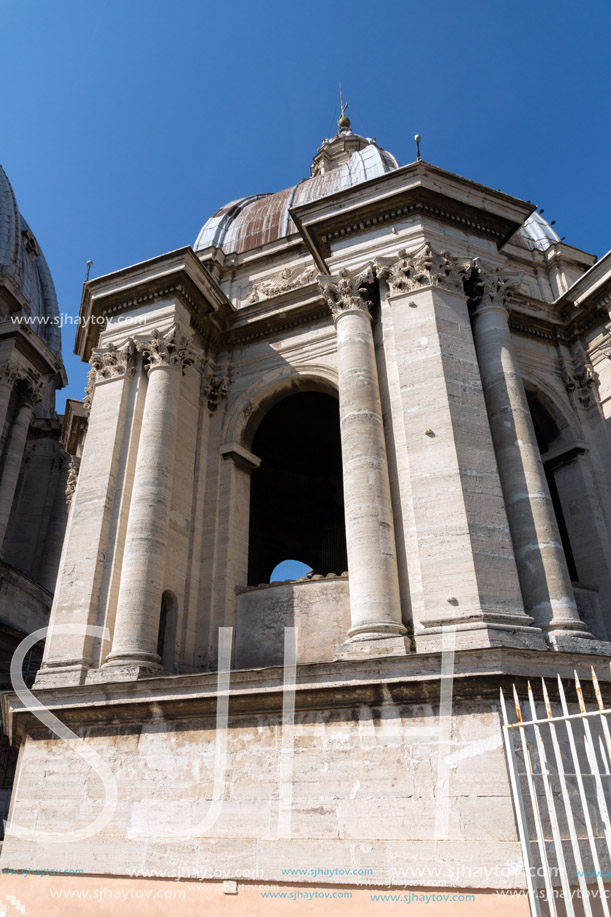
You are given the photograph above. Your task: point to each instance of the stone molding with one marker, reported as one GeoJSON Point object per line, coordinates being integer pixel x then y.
{"type": "Point", "coordinates": [425, 267]}
{"type": "Point", "coordinates": [346, 291]}
{"type": "Point", "coordinates": [170, 349]}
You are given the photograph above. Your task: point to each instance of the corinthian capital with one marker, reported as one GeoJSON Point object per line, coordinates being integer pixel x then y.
{"type": "Point", "coordinates": [488, 285]}
{"type": "Point", "coordinates": [10, 373]}
{"type": "Point", "coordinates": [423, 268]}
{"type": "Point", "coordinates": [29, 389]}
{"type": "Point", "coordinates": [169, 349]}
{"type": "Point", "coordinates": [346, 291]}
{"type": "Point", "coordinates": [109, 362]}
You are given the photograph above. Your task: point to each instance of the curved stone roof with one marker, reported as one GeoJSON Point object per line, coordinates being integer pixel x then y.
{"type": "Point", "coordinates": [252, 221]}
{"type": "Point", "coordinates": [22, 260]}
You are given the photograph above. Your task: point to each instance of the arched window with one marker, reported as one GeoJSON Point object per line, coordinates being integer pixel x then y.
{"type": "Point", "coordinates": [166, 641]}
{"type": "Point", "coordinates": [297, 500]}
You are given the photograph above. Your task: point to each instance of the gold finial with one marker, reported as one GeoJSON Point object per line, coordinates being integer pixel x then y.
{"type": "Point", "coordinates": [343, 123]}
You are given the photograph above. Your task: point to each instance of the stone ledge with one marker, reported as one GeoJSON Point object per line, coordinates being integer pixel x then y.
{"type": "Point", "coordinates": [410, 679]}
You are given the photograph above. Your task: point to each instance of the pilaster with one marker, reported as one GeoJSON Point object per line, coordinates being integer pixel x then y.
{"type": "Point", "coordinates": [465, 558]}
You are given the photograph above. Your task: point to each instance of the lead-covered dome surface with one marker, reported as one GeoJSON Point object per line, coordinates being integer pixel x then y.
{"type": "Point", "coordinates": [22, 260]}
{"type": "Point", "coordinates": [252, 221]}
{"type": "Point", "coordinates": [536, 233]}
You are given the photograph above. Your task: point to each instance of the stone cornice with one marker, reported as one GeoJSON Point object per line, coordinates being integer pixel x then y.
{"type": "Point", "coordinates": [418, 189]}
{"type": "Point", "coordinates": [257, 321]}
{"type": "Point", "coordinates": [178, 275]}
{"type": "Point", "coordinates": [478, 674]}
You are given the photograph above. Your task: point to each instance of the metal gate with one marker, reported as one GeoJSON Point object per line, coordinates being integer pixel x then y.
{"type": "Point", "coordinates": [559, 768]}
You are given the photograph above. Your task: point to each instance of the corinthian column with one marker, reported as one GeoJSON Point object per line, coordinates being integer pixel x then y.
{"type": "Point", "coordinates": [544, 577]}
{"type": "Point", "coordinates": [143, 569]}
{"type": "Point", "coordinates": [28, 393]}
{"type": "Point", "coordinates": [375, 605]}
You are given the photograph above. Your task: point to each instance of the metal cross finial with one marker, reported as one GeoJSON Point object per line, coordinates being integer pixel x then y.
{"type": "Point", "coordinates": [343, 122]}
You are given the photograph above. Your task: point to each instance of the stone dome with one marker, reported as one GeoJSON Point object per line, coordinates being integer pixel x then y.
{"type": "Point", "coordinates": [256, 220]}
{"type": "Point", "coordinates": [22, 261]}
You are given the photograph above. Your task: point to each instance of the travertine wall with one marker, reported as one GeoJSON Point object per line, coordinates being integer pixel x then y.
{"type": "Point", "coordinates": [365, 794]}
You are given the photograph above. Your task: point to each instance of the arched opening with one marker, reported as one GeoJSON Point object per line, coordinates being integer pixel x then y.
{"type": "Point", "coordinates": [296, 497]}
{"type": "Point", "coordinates": [166, 640]}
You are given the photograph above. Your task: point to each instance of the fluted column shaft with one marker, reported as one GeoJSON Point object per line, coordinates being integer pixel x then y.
{"type": "Point", "coordinates": [143, 569]}
{"type": "Point", "coordinates": [370, 536]}
{"type": "Point", "coordinates": [542, 569]}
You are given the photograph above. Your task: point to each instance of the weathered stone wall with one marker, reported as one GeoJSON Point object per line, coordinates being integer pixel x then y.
{"type": "Point", "coordinates": [365, 794]}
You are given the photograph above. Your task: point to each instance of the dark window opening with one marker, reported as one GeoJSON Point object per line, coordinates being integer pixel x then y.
{"type": "Point", "coordinates": [296, 497]}
{"type": "Point", "coordinates": [547, 434]}
{"type": "Point", "coordinates": [166, 639]}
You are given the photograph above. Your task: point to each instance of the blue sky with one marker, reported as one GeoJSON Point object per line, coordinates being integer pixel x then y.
{"type": "Point", "coordinates": [125, 125]}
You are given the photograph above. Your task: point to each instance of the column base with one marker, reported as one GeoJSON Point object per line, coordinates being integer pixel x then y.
{"type": "Point", "coordinates": [366, 647]}
{"type": "Point", "coordinates": [126, 671]}
{"type": "Point", "coordinates": [577, 643]}
{"type": "Point", "coordinates": [481, 635]}
{"type": "Point", "coordinates": [57, 676]}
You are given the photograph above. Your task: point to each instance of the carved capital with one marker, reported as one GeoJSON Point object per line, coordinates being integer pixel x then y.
{"type": "Point", "coordinates": [10, 374]}
{"type": "Point", "coordinates": [169, 349]}
{"type": "Point", "coordinates": [73, 470]}
{"type": "Point", "coordinates": [213, 389]}
{"type": "Point", "coordinates": [109, 362]}
{"type": "Point", "coordinates": [423, 268]}
{"type": "Point", "coordinates": [346, 291]}
{"type": "Point", "coordinates": [29, 389]}
{"type": "Point", "coordinates": [488, 285]}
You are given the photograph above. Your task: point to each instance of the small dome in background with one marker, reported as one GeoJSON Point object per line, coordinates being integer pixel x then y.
{"type": "Point", "coordinates": [537, 233]}
{"type": "Point", "coordinates": [22, 260]}
{"type": "Point", "coordinates": [256, 220]}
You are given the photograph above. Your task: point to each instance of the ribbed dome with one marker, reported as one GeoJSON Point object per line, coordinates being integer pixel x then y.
{"type": "Point", "coordinates": [537, 233]}
{"type": "Point", "coordinates": [261, 218]}
{"type": "Point", "coordinates": [22, 260]}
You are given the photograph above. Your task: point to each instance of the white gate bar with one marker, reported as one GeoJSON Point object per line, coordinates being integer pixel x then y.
{"type": "Point", "coordinates": [591, 753]}
{"type": "Point", "coordinates": [585, 897]}
{"type": "Point", "coordinates": [584, 801]}
{"type": "Point", "coordinates": [536, 811]}
{"type": "Point", "coordinates": [517, 795]}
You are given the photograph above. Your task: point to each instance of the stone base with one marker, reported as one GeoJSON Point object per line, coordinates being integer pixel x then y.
{"type": "Point", "coordinates": [383, 646]}
{"type": "Point", "coordinates": [569, 643]}
{"type": "Point", "coordinates": [127, 672]}
{"type": "Point", "coordinates": [61, 675]}
{"type": "Point", "coordinates": [478, 635]}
